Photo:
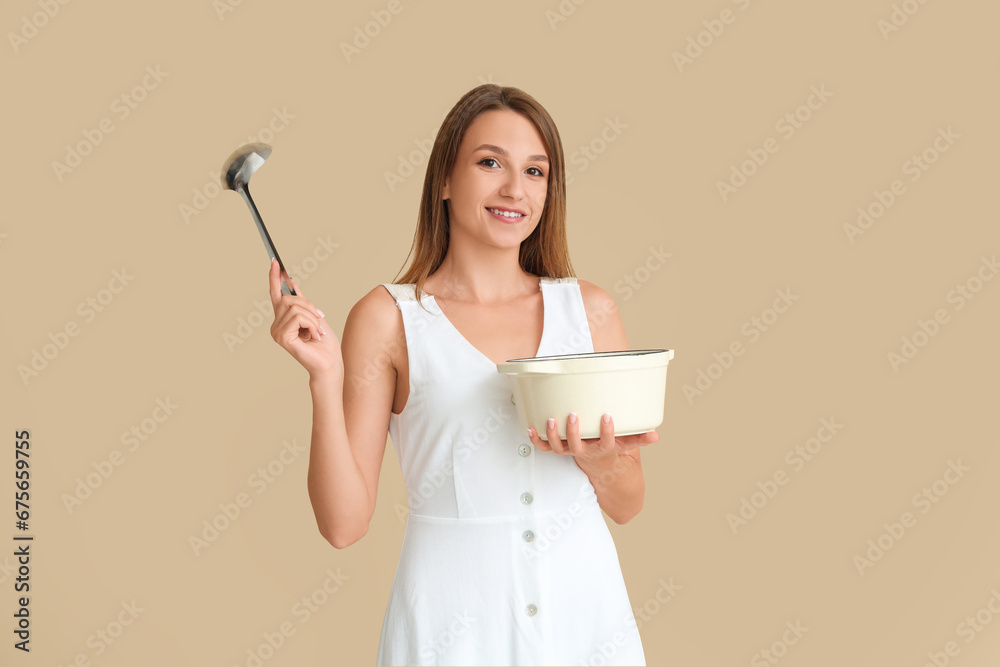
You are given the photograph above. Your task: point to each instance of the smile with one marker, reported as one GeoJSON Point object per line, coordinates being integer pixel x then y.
{"type": "Point", "coordinates": [506, 216]}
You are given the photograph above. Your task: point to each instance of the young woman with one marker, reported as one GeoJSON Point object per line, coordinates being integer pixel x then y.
{"type": "Point", "coordinates": [506, 557]}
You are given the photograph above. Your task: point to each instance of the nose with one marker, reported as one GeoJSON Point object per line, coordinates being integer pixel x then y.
{"type": "Point", "coordinates": [511, 186]}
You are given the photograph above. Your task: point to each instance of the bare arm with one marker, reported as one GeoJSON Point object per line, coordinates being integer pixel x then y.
{"type": "Point", "coordinates": [618, 482]}
{"type": "Point", "coordinates": [610, 462]}
{"type": "Point", "coordinates": [352, 387]}
{"type": "Point", "coordinates": [338, 490]}
{"type": "Point", "coordinates": [351, 421]}
{"type": "Point", "coordinates": [619, 485]}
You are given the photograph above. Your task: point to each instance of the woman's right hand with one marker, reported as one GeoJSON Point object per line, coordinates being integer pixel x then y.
{"type": "Point", "coordinates": [299, 327]}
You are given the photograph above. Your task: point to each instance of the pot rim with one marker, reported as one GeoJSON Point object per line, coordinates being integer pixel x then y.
{"type": "Point", "coordinates": [588, 362]}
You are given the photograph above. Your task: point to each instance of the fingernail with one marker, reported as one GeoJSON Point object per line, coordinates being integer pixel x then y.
{"type": "Point", "coordinates": [572, 418]}
{"type": "Point", "coordinates": [530, 434]}
{"type": "Point", "coordinates": [320, 313]}
{"type": "Point", "coordinates": [606, 419]}
{"type": "Point", "coordinates": [551, 423]}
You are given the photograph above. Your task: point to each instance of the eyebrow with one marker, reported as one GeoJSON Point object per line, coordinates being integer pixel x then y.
{"type": "Point", "coordinates": [503, 152]}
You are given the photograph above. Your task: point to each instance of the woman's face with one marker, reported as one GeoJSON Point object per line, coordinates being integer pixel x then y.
{"type": "Point", "coordinates": [497, 187]}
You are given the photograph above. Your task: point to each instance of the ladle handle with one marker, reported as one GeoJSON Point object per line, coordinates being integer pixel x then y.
{"type": "Point", "coordinates": [272, 252]}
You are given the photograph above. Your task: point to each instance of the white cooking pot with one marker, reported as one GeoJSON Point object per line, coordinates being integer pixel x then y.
{"type": "Point", "coordinates": [630, 385]}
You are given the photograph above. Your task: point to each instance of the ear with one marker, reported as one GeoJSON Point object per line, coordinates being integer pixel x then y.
{"type": "Point", "coordinates": [445, 193]}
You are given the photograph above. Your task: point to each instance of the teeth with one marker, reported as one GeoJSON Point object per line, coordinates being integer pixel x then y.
{"type": "Point", "coordinates": [506, 214]}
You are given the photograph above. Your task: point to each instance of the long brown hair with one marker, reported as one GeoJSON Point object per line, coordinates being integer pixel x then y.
{"type": "Point", "coordinates": [545, 252]}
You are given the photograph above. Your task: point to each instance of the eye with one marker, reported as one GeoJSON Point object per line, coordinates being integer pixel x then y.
{"type": "Point", "coordinates": [487, 159]}
{"type": "Point", "coordinates": [538, 172]}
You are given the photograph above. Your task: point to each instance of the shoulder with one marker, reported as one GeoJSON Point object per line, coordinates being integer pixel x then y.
{"type": "Point", "coordinates": [377, 304]}
{"type": "Point", "coordinates": [596, 299]}
{"type": "Point", "coordinates": [606, 329]}
{"type": "Point", "coordinates": [375, 317]}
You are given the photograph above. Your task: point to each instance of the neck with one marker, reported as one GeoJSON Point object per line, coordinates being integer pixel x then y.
{"type": "Point", "coordinates": [477, 273]}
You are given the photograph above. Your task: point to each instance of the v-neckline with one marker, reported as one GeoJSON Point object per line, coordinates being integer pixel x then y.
{"type": "Point", "coordinates": [475, 349]}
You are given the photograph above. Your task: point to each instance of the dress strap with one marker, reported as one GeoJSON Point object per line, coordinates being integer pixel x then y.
{"type": "Point", "coordinates": [402, 292]}
{"type": "Point", "coordinates": [556, 281]}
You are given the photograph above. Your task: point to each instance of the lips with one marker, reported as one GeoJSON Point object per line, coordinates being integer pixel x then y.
{"type": "Point", "coordinates": [506, 214]}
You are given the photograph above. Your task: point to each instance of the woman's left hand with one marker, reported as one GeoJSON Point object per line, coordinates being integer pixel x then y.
{"type": "Point", "coordinates": [589, 451]}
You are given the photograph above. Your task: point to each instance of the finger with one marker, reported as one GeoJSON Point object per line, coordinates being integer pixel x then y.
{"type": "Point", "coordinates": [297, 299]}
{"type": "Point", "coordinates": [627, 442]}
{"type": "Point", "coordinates": [299, 318]}
{"type": "Point", "coordinates": [298, 291]}
{"type": "Point", "coordinates": [316, 331]}
{"type": "Point", "coordinates": [574, 445]}
{"type": "Point", "coordinates": [642, 438]}
{"type": "Point", "coordinates": [607, 442]}
{"type": "Point", "coordinates": [552, 433]}
{"type": "Point", "coordinates": [537, 441]}
{"type": "Point", "coordinates": [274, 281]}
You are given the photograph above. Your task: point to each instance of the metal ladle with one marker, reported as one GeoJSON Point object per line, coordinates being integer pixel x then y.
{"type": "Point", "coordinates": [236, 173]}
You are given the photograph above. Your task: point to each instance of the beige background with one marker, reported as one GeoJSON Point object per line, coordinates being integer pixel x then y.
{"type": "Point", "coordinates": [342, 126]}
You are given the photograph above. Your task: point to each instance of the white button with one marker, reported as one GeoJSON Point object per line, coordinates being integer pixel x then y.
{"type": "Point", "coordinates": [527, 536]}
{"type": "Point", "coordinates": [530, 610]}
{"type": "Point", "coordinates": [526, 498]}
{"type": "Point", "coordinates": [524, 450]}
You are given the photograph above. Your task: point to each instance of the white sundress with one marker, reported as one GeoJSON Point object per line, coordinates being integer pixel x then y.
{"type": "Point", "coordinates": [506, 558]}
